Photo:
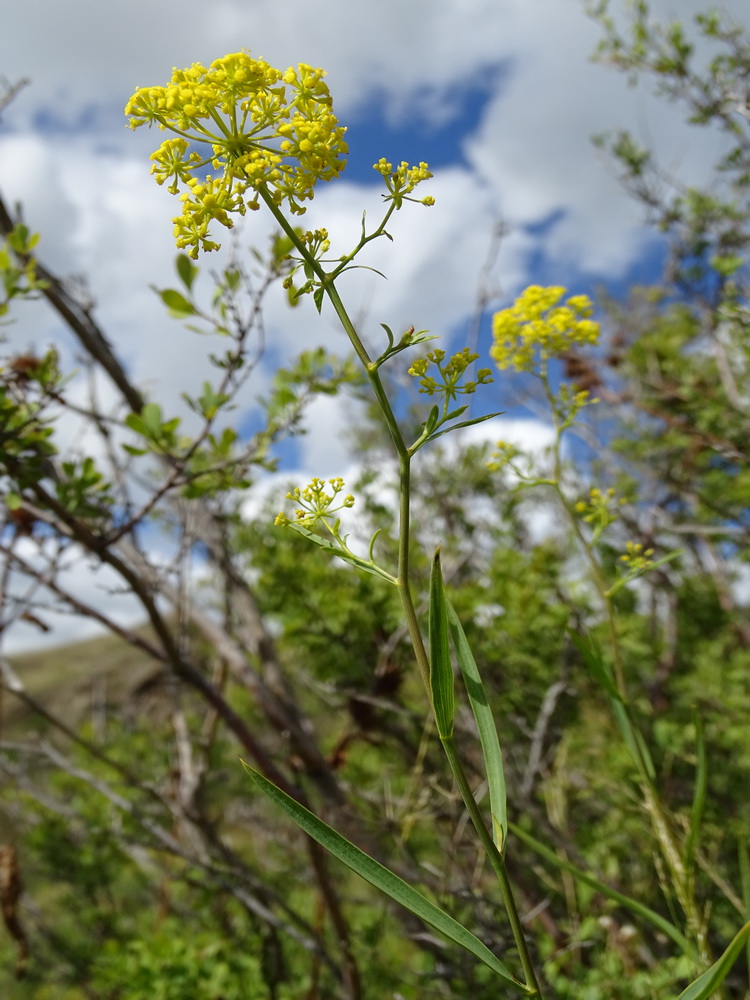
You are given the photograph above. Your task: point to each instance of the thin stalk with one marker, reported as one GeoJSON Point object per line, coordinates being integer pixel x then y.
{"type": "Point", "coordinates": [496, 860]}
{"type": "Point", "coordinates": [596, 572]}
{"type": "Point", "coordinates": [682, 878]}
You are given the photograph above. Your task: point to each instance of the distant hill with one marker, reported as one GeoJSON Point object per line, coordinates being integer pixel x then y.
{"type": "Point", "coordinates": [74, 680]}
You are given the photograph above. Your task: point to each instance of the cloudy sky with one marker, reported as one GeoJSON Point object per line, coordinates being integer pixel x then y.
{"type": "Point", "coordinates": [499, 96]}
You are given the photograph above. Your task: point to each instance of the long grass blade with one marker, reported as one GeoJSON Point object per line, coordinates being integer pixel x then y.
{"type": "Point", "coordinates": [493, 756]}
{"type": "Point", "coordinates": [699, 793]}
{"type": "Point", "coordinates": [618, 897]}
{"type": "Point", "coordinates": [594, 660]}
{"type": "Point", "coordinates": [705, 986]}
{"type": "Point", "coordinates": [384, 879]}
{"type": "Point", "coordinates": [744, 865]}
{"type": "Point", "coordinates": [441, 668]}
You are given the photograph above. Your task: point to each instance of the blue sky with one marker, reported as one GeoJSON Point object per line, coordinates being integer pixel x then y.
{"type": "Point", "coordinates": [498, 96]}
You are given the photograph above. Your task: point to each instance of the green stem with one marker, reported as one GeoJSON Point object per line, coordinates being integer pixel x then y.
{"type": "Point", "coordinates": [496, 860]}
{"type": "Point", "coordinates": [599, 581]}
{"type": "Point", "coordinates": [402, 451]}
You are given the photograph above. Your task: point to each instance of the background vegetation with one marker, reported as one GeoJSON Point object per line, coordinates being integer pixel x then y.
{"type": "Point", "coordinates": [137, 860]}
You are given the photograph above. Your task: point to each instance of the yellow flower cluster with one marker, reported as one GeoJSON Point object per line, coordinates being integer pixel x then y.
{"type": "Point", "coordinates": [505, 454]}
{"type": "Point", "coordinates": [637, 558]}
{"type": "Point", "coordinates": [402, 181]}
{"type": "Point", "coordinates": [600, 509]}
{"type": "Point", "coordinates": [536, 325]}
{"type": "Point", "coordinates": [315, 502]}
{"type": "Point", "coordinates": [449, 375]}
{"type": "Point", "coordinates": [258, 128]}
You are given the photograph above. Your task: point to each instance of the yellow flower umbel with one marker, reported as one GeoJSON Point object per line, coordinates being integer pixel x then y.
{"type": "Point", "coordinates": [260, 129]}
{"type": "Point", "coordinates": [449, 375]}
{"type": "Point", "coordinates": [402, 181]}
{"type": "Point", "coordinates": [316, 504]}
{"type": "Point", "coordinates": [535, 328]}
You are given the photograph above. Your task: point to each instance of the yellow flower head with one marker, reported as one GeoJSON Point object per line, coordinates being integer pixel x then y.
{"type": "Point", "coordinates": [316, 502]}
{"type": "Point", "coordinates": [256, 127]}
{"type": "Point", "coordinates": [449, 375]}
{"type": "Point", "coordinates": [537, 327]}
{"type": "Point", "coordinates": [402, 181]}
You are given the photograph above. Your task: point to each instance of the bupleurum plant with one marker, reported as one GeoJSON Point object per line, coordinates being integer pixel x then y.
{"type": "Point", "coordinates": [246, 133]}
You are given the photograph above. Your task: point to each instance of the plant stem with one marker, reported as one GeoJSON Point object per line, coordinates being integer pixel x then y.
{"type": "Point", "coordinates": [403, 579]}
{"type": "Point", "coordinates": [497, 861]}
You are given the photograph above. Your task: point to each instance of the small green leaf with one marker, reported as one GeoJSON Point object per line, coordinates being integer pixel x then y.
{"type": "Point", "coordinates": [137, 424]}
{"type": "Point", "coordinates": [493, 756]}
{"type": "Point", "coordinates": [151, 417]}
{"type": "Point", "coordinates": [705, 986]}
{"type": "Point", "coordinates": [384, 879]}
{"type": "Point", "coordinates": [454, 414]}
{"type": "Point", "coordinates": [431, 421]}
{"type": "Point", "coordinates": [176, 302]}
{"type": "Point", "coordinates": [441, 668]}
{"type": "Point", "coordinates": [186, 269]}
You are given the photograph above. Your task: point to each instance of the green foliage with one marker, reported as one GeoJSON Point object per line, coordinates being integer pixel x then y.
{"type": "Point", "coordinates": [168, 965]}
{"type": "Point", "coordinates": [18, 277]}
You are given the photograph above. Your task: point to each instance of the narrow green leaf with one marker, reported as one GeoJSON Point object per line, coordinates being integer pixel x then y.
{"type": "Point", "coordinates": [594, 660]}
{"type": "Point", "coordinates": [493, 756]}
{"type": "Point", "coordinates": [372, 545]}
{"type": "Point", "coordinates": [441, 668]}
{"type": "Point", "coordinates": [432, 419]}
{"type": "Point", "coordinates": [635, 741]}
{"type": "Point", "coordinates": [699, 793]}
{"type": "Point", "coordinates": [588, 879]}
{"type": "Point", "coordinates": [335, 550]}
{"type": "Point", "coordinates": [455, 414]}
{"type": "Point", "coordinates": [706, 985]}
{"type": "Point", "coordinates": [382, 878]}
{"type": "Point", "coordinates": [389, 334]}
{"type": "Point", "coordinates": [466, 423]}
{"type": "Point", "coordinates": [589, 649]}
